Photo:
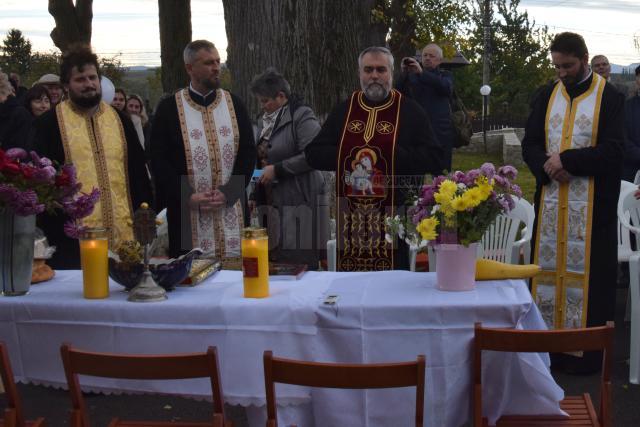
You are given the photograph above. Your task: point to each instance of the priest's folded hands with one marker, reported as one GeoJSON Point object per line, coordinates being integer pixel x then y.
{"type": "Point", "coordinates": [207, 200]}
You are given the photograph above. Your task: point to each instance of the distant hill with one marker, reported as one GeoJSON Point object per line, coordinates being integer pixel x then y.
{"type": "Point", "coordinates": [617, 69]}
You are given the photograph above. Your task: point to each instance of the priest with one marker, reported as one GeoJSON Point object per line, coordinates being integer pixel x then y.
{"type": "Point", "coordinates": [103, 145]}
{"type": "Point", "coordinates": [380, 144]}
{"type": "Point", "coordinates": [573, 146]}
{"type": "Point", "coordinates": [202, 157]}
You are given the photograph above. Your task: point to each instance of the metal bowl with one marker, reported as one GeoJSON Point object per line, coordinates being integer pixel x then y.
{"type": "Point", "coordinates": [166, 273]}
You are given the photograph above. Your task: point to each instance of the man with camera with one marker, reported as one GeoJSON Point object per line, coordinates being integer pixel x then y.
{"type": "Point", "coordinates": [432, 88]}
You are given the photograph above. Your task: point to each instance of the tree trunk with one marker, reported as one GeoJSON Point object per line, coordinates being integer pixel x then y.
{"type": "Point", "coordinates": [73, 23]}
{"type": "Point", "coordinates": [315, 44]}
{"type": "Point", "coordinates": [175, 34]}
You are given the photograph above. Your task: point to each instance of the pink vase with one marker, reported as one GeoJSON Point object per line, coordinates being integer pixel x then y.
{"type": "Point", "coordinates": [456, 267]}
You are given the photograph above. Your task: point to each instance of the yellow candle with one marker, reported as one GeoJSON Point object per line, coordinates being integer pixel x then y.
{"type": "Point", "coordinates": [255, 263]}
{"type": "Point", "coordinates": [95, 265]}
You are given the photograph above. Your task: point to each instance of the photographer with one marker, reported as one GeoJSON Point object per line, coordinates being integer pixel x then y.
{"type": "Point", "coordinates": [432, 88]}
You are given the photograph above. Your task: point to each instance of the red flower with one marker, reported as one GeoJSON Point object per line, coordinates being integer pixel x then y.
{"type": "Point", "coordinates": [27, 171]}
{"type": "Point", "coordinates": [64, 179]}
{"type": "Point", "coordinates": [10, 168]}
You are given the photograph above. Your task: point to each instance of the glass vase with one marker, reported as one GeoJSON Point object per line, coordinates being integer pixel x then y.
{"type": "Point", "coordinates": [17, 234]}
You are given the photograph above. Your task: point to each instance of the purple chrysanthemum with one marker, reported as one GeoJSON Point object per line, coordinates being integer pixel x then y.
{"type": "Point", "coordinates": [16, 153]}
{"type": "Point", "coordinates": [74, 229]}
{"type": "Point", "coordinates": [508, 172]}
{"type": "Point", "coordinates": [82, 206]}
{"type": "Point", "coordinates": [488, 170]}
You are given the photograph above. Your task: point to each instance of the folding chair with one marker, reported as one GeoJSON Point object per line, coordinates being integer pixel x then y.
{"type": "Point", "coordinates": [579, 408]}
{"type": "Point", "coordinates": [141, 367]}
{"type": "Point", "coordinates": [13, 414]}
{"type": "Point", "coordinates": [342, 375]}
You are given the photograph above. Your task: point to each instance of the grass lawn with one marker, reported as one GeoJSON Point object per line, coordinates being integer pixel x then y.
{"type": "Point", "coordinates": [466, 161]}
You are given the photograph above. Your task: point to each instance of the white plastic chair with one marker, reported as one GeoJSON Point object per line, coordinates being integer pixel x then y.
{"type": "Point", "coordinates": [499, 241]}
{"type": "Point", "coordinates": [629, 220]}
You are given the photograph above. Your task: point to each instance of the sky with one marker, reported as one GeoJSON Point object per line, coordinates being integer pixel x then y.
{"type": "Point", "coordinates": [130, 27]}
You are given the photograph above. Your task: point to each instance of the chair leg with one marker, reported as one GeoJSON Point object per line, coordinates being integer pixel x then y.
{"type": "Point", "coordinates": [634, 291]}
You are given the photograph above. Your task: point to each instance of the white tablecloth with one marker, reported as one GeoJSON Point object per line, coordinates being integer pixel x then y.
{"type": "Point", "coordinates": [379, 317]}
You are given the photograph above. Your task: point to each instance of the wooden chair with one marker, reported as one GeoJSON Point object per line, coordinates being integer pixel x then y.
{"type": "Point", "coordinates": [141, 367]}
{"type": "Point", "coordinates": [342, 375]}
{"type": "Point", "coordinates": [580, 408]}
{"type": "Point", "coordinates": [13, 414]}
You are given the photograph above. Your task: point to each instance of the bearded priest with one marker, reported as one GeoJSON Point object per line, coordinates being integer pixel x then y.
{"type": "Point", "coordinates": [103, 145]}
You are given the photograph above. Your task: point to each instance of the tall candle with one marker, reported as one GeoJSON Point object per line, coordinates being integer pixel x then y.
{"type": "Point", "coordinates": [255, 262]}
{"type": "Point", "coordinates": [95, 265]}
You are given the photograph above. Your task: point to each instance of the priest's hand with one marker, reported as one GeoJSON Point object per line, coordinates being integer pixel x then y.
{"type": "Point", "coordinates": [553, 168]}
{"type": "Point", "coordinates": [268, 175]}
{"type": "Point", "coordinates": [202, 201]}
{"type": "Point", "coordinates": [218, 199]}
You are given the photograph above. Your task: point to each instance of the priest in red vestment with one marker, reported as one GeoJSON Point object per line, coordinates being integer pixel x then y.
{"type": "Point", "coordinates": [380, 144]}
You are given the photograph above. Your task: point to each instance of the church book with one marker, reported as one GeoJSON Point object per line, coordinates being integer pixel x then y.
{"type": "Point", "coordinates": [201, 269]}
{"type": "Point", "coordinates": [283, 271]}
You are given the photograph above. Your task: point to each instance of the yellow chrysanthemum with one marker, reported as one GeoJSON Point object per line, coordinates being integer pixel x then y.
{"type": "Point", "coordinates": [427, 228]}
{"type": "Point", "coordinates": [473, 197]}
{"type": "Point", "coordinates": [443, 198]}
{"type": "Point", "coordinates": [459, 203]}
{"type": "Point", "coordinates": [448, 187]}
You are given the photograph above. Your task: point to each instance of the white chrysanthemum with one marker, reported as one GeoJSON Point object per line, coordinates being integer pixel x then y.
{"type": "Point", "coordinates": [435, 209]}
{"type": "Point", "coordinates": [388, 238]}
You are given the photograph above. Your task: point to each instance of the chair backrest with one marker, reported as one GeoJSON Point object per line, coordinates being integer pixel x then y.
{"type": "Point", "coordinates": [564, 340]}
{"type": "Point", "coordinates": [141, 367]}
{"type": "Point", "coordinates": [342, 375]}
{"type": "Point", "coordinates": [625, 203]}
{"type": "Point", "coordinates": [13, 413]}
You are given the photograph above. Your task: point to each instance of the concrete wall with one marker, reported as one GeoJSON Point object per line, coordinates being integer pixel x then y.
{"type": "Point", "coordinates": [504, 141]}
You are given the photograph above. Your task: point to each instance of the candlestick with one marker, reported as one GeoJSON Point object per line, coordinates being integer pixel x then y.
{"type": "Point", "coordinates": [255, 262]}
{"type": "Point", "coordinates": [95, 265]}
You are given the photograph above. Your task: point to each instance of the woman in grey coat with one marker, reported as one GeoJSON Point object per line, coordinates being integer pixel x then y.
{"type": "Point", "coordinates": [289, 198]}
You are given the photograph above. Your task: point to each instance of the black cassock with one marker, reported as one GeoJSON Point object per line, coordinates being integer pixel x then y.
{"type": "Point", "coordinates": [417, 153]}
{"type": "Point", "coordinates": [48, 143]}
{"type": "Point", "coordinates": [604, 163]}
{"type": "Point", "coordinates": [169, 167]}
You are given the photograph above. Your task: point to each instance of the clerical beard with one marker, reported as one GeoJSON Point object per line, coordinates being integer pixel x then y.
{"type": "Point", "coordinates": [375, 92]}
{"type": "Point", "coordinates": [86, 102]}
{"type": "Point", "coordinates": [211, 84]}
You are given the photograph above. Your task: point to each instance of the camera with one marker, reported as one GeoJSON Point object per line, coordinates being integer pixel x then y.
{"type": "Point", "coordinates": [406, 61]}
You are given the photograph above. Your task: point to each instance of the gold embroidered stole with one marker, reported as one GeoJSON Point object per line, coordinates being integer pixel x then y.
{"type": "Point", "coordinates": [364, 172]}
{"type": "Point", "coordinates": [96, 145]}
{"type": "Point", "coordinates": [211, 138]}
{"type": "Point", "coordinates": [563, 243]}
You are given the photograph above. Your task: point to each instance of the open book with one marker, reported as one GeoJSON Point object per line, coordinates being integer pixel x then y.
{"type": "Point", "coordinates": [283, 271]}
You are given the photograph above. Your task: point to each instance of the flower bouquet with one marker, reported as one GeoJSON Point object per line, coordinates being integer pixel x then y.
{"type": "Point", "coordinates": [29, 185]}
{"type": "Point", "coordinates": [456, 209]}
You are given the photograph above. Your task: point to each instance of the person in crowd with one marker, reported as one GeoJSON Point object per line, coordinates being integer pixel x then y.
{"type": "Point", "coordinates": [600, 65]}
{"type": "Point", "coordinates": [573, 146]}
{"type": "Point", "coordinates": [432, 88]}
{"type": "Point", "coordinates": [137, 112]}
{"type": "Point", "coordinates": [53, 85]}
{"type": "Point", "coordinates": [15, 120]}
{"type": "Point", "coordinates": [37, 100]}
{"type": "Point", "coordinates": [388, 136]}
{"type": "Point", "coordinates": [19, 90]}
{"type": "Point", "coordinates": [102, 144]}
{"type": "Point", "coordinates": [292, 193]}
{"type": "Point", "coordinates": [203, 155]}
{"type": "Point", "coordinates": [632, 126]}
{"type": "Point", "coordinates": [119, 101]}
